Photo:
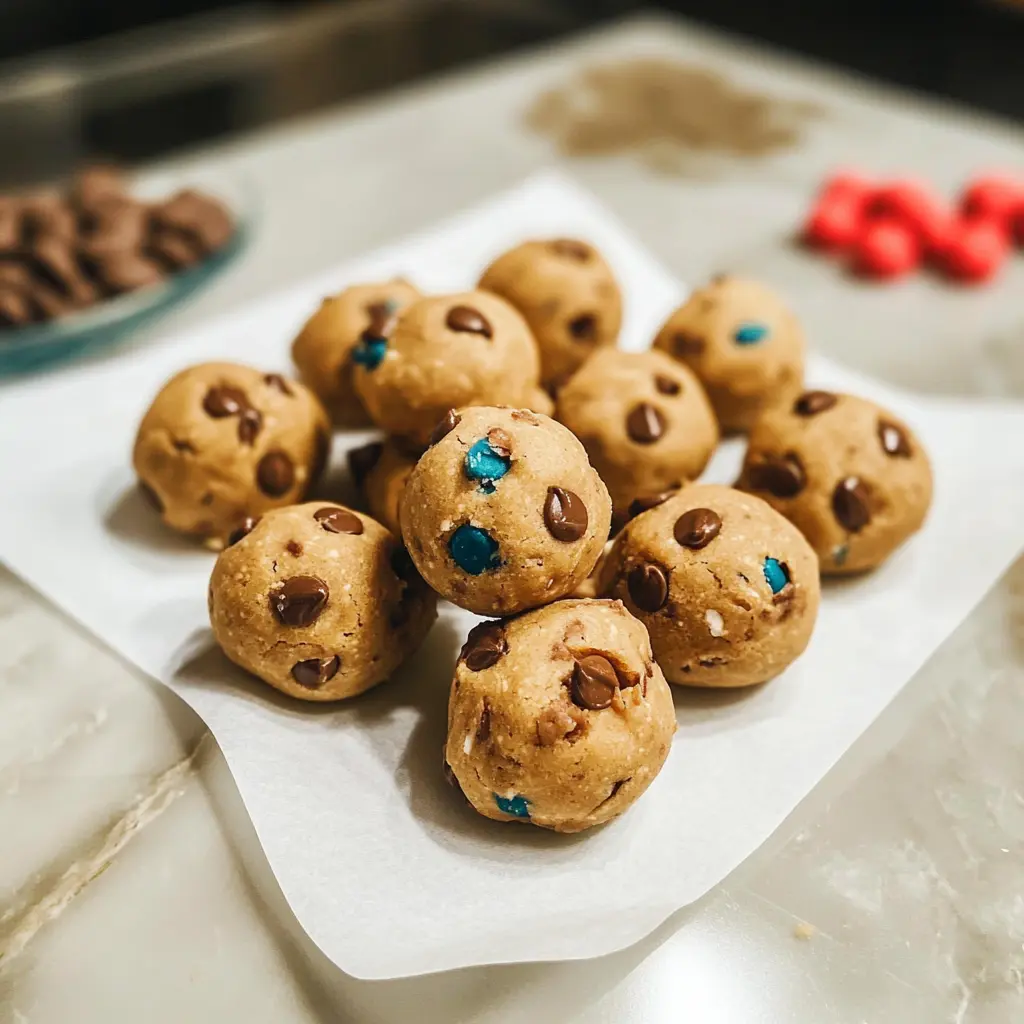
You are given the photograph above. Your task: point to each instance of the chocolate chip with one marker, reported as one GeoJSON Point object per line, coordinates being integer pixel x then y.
{"type": "Point", "coordinates": [467, 320]}
{"type": "Point", "coordinates": [850, 504]}
{"type": "Point", "coordinates": [594, 682]}
{"type": "Point", "coordinates": [485, 646]}
{"type": "Point", "coordinates": [338, 520]}
{"type": "Point", "coordinates": [583, 327]}
{"type": "Point", "coordinates": [275, 474]}
{"type": "Point", "coordinates": [276, 381]}
{"type": "Point", "coordinates": [483, 728]}
{"type": "Point", "coordinates": [449, 421]}
{"type": "Point", "coordinates": [500, 442]}
{"type": "Point", "coordinates": [246, 527]}
{"type": "Point", "coordinates": [315, 672]}
{"type": "Point", "coordinates": [565, 515]}
{"type": "Point", "coordinates": [152, 498]}
{"type": "Point", "coordinates": [362, 460]}
{"type": "Point", "coordinates": [810, 403]}
{"type": "Point", "coordinates": [298, 601]}
{"type": "Point", "coordinates": [645, 423]}
{"type": "Point", "coordinates": [645, 503]}
{"type": "Point", "coordinates": [697, 528]}
{"type": "Point", "coordinates": [225, 400]}
{"type": "Point", "coordinates": [648, 587]}
{"type": "Point", "coordinates": [782, 476]}
{"type": "Point", "coordinates": [684, 343]}
{"type": "Point", "coordinates": [666, 385]}
{"type": "Point", "coordinates": [894, 439]}
{"type": "Point", "coordinates": [249, 425]}
{"type": "Point", "coordinates": [571, 249]}
{"type": "Point", "coordinates": [294, 548]}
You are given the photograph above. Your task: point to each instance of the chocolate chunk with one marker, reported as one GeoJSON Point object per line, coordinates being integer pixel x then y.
{"type": "Point", "coordinates": [299, 600]}
{"type": "Point", "coordinates": [782, 476]}
{"type": "Point", "coordinates": [362, 460]}
{"type": "Point", "coordinates": [810, 403]}
{"type": "Point", "coordinates": [15, 308]}
{"type": "Point", "coordinates": [894, 440]}
{"type": "Point", "coordinates": [645, 423]}
{"type": "Point", "coordinates": [275, 474]}
{"type": "Point", "coordinates": [565, 514]}
{"type": "Point", "coordinates": [583, 327]}
{"type": "Point", "coordinates": [294, 548]}
{"type": "Point", "coordinates": [315, 672]}
{"type": "Point", "coordinates": [173, 250]}
{"type": "Point", "coordinates": [850, 504]}
{"type": "Point", "coordinates": [645, 503]}
{"type": "Point", "coordinates": [648, 587]}
{"type": "Point", "coordinates": [697, 528]}
{"type": "Point", "coordinates": [571, 249]}
{"type": "Point", "coordinates": [152, 498]}
{"type": "Point", "coordinates": [249, 425]}
{"type": "Point", "coordinates": [485, 646]}
{"type": "Point", "coordinates": [500, 442]}
{"type": "Point", "coordinates": [685, 343]}
{"type": "Point", "coordinates": [278, 383]}
{"type": "Point", "coordinates": [449, 421]}
{"type": "Point", "coordinates": [200, 217]}
{"type": "Point", "coordinates": [666, 385]}
{"type": "Point", "coordinates": [225, 400]}
{"type": "Point", "coordinates": [246, 527]}
{"type": "Point", "coordinates": [468, 320]}
{"type": "Point", "coordinates": [483, 729]}
{"type": "Point", "coordinates": [594, 682]}
{"type": "Point", "coordinates": [338, 520]}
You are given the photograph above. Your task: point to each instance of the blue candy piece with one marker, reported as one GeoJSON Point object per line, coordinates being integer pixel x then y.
{"type": "Point", "coordinates": [474, 550]}
{"type": "Point", "coordinates": [370, 352]}
{"type": "Point", "coordinates": [775, 573]}
{"type": "Point", "coordinates": [483, 463]}
{"type": "Point", "coordinates": [750, 333]}
{"type": "Point", "coordinates": [517, 806]}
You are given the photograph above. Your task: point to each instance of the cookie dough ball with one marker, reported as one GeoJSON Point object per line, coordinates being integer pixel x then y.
{"type": "Point", "coordinates": [380, 469]}
{"type": "Point", "coordinates": [504, 512]}
{"type": "Point", "coordinates": [567, 293]}
{"type": "Point", "coordinates": [643, 418]}
{"type": "Point", "coordinates": [444, 352]}
{"type": "Point", "coordinates": [222, 442]}
{"type": "Point", "coordinates": [559, 717]}
{"type": "Point", "coordinates": [323, 349]}
{"type": "Point", "coordinates": [849, 474]}
{"type": "Point", "coordinates": [726, 587]}
{"type": "Point", "coordinates": [744, 344]}
{"type": "Point", "coordinates": [318, 601]}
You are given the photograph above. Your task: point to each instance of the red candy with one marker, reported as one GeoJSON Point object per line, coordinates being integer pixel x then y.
{"type": "Point", "coordinates": [995, 197]}
{"type": "Point", "coordinates": [976, 250]}
{"type": "Point", "coordinates": [887, 248]}
{"type": "Point", "coordinates": [835, 221]}
{"type": "Point", "coordinates": [916, 205]}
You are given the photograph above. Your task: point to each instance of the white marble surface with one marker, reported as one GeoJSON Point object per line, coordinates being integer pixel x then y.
{"type": "Point", "coordinates": [131, 885]}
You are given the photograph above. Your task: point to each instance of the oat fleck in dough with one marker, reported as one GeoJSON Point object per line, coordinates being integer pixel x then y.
{"type": "Point", "coordinates": [352, 321]}
{"type": "Point", "coordinates": [222, 442]}
{"type": "Point", "coordinates": [504, 512]}
{"type": "Point", "coordinates": [380, 469]}
{"type": "Point", "coordinates": [726, 587]}
{"type": "Point", "coordinates": [744, 344]}
{"type": "Point", "coordinates": [568, 294]}
{"type": "Point", "coordinates": [318, 601]}
{"type": "Point", "coordinates": [849, 474]}
{"type": "Point", "coordinates": [644, 419]}
{"type": "Point", "coordinates": [559, 717]}
{"type": "Point", "coordinates": [447, 351]}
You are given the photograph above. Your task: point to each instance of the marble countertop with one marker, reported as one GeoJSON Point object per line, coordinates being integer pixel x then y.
{"type": "Point", "coordinates": [132, 886]}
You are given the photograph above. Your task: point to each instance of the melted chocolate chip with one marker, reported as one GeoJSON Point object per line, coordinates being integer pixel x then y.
{"type": "Point", "coordinates": [583, 327]}
{"type": "Point", "coordinates": [594, 682]}
{"type": "Point", "coordinates": [249, 424]}
{"type": "Point", "coordinates": [315, 672]}
{"type": "Point", "coordinates": [648, 501]}
{"type": "Point", "coordinates": [645, 423]}
{"type": "Point", "coordinates": [697, 528]}
{"type": "Point", "coordinates": [810, 403]}
{"type": "Point", "coordinates": [247, 525]}
{"type": "Point", "coordinates": [362, 460]}
{"type": "Point", "coordinates": [666, 385]}
{"type": "Point", "coordinates": [565, 515]}
{"type": "Point", "coordinates": [338, 520]}
{"type": "Point", "coordinates": [648, 587]}
{"type": "Point", "coordinates": [782, 476]}
{"type": "Point", "coordinates": [686, 344]}
{"type": "Point", "coordinates": [275, 380]}
{"type": "Point", "coordinates": [225, 400]}
{"type": "Point", "coordinates": [485, 646]}
{"type": "Point", "coordinates": [298, 601]}
{"type": "Point", "coordinates": [850, 504]}
{"type": "Point", "coordinates": [571, 249]}
{"type": "Point", "coordinates": [467, 320]}
{"type": "Point", "coordinates": [893, 439]}
{"type": "Point", "coordinates": [152, 498]}
{"type": "Point", "coordinates": [275, 474]}
{"type": "Point", "coordinates": [449, 421]}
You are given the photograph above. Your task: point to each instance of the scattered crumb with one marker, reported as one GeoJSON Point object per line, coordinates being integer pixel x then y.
{"type": "Point", "coordinates": [804, 931]}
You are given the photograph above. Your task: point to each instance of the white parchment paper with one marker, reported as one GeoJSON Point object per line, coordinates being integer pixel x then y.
{"type": "Point", "coordinates": [385, 868]}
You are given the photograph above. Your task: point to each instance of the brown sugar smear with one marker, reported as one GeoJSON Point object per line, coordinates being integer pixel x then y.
{"type": "Point", "coordinates": [665, 110]}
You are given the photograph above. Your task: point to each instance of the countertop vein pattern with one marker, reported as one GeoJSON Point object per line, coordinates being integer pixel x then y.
{"type": "Point", "coordinates": [131, 883]}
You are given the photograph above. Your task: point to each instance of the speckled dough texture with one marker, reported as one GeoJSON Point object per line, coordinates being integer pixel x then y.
{"type": "Point", "coordinates": [448, 351]}
{"type": "Point", "coordinates": [222, 442]}
{"type": "Point", "coordinates": [318, 601]}
{"type": "Point", "coordinates": [323, 348]}
{"type": "Point", "coordinates": [704, 593]}
{"type": "Point", "coordinates": [543, 523]}
{"type": "Point", "coordinates": [520, 745]}
{"type": "Point", "coordinates": [644, 419]}
{"type": "Point", "coordinates": [849, 474]}
{"type": "Point", "coordinates": [743, 343]}
{"type": "Point", "coordinates": [384, 482]}
{"type": "Point", "coordinates": [568, 294]}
